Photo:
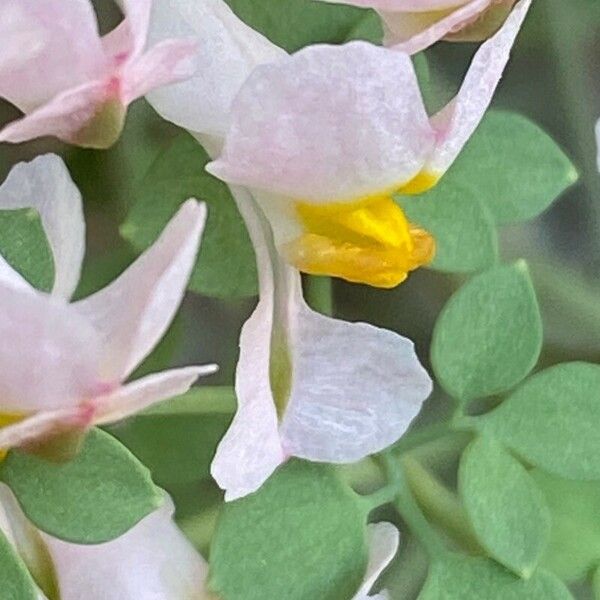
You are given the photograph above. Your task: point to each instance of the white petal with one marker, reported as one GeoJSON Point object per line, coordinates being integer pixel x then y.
{"type": "Point", "coordinates": [152, 561]}
{"type": "Point", "coordinates": [403, 5]}
{"type": "Point", "coordinates": [458, 120]}
{"type": "Point", "coordinates": [356, 388]}
{"type": "Point", "coordinates": [134, 397]}
{"type": "Point", "coordinates": [228, 51]}
{"type": "Point", "coordinates": [49, 354]}
{"type": "Point", "coordinates": [45, 184]}
{"type": "Point", "coordinates": [133, 313]}
{"type": "Point", "coordinates": [8, 276]}
{"type": "Point", "coordinates": [330, 123]}
{"type": "Point", "coordinates": [39, 38]}
{"type": "Point", "coordinates": [384, 539]}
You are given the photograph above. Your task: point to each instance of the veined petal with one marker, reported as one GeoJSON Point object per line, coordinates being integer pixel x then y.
{"type": "Point", "coordinates": [133, 313]}
{"type": "Point", "coordinates": [90, 116]}
{"type": "Point", "coordinates": [328, 124]}
{"type": "Point", "coordinates": [45, 184]}
{"type": "Point", "coordinates": [49, 356]}
{"type": "Point", "coordinates": [228, 51]}
{"type": "Point", "coordinates": [458, 120]}
{"type": "Point", "coordinates": [152, 561]}
{"type": "Point", "coordinates": [134, 397]}
{"type": "Point", "coordinates": [41, 37]}
{"type": "Point", "coordinates": [384, 539]}
{"type": "Point", "coordinates": [166, 62]}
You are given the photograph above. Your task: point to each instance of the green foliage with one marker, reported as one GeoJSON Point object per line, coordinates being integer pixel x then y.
{"type": "Point", "coordinates": [488, 336]}
{"type": "Point", "coordinates": [25, 247]}
{"type": "Point", "coordinates": [553, 419]}
{"type": "Point", "coordinates": [302, 535]}
{"type": "Point", "coordinates": [505, 507]}
{"type": "Point", "coordinates": [226, 264]}
{"type": "Point", "coordinates": [458, 577]}
{"type": "Point", "coordinates": [15, 581]}
{"type": "Point", "coordinates": [93, 498]}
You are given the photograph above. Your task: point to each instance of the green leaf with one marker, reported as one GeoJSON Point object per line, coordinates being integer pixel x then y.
{"type": "Point", "coordinates": [301, 536]}
{"type": "Point", "coordinates": [506, 509]}
{"type": "Point", "coordinates": [15, 581]}
{"type": "Point", "coordinates": [94, 498]}
{"type": "Point", "coordinates": [458, 577]}
{"type": "Point", "coordinates": [553, 420]}
{"type": "Point", "coordinates": [293, 24]}
{"type": "Point", "coordinates": [513, 167]}
{"type": "Point", "coordinates": [489, 335]}
{"type": "Point", "coordinates": [574, 547]}
{"type": "Point", "coordinates": [226, 264]}
{"type": "Point", "coordinates": [24, 245]}
{"type": "Point", "coordinates": [464, 232]}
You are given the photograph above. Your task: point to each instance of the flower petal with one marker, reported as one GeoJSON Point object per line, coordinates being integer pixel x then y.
{"type": "Point", "coordinates": [137, 20]}
{"type": "Point", "coordinates": [384, 539]}
{"type": "Point", "coordinates": [413, 32]}
{"type": "Point", "coordinates": [458, 120]}
{"type": "Point", "coordinates": [330, 123]}
{"type": "Point", "coordinates": [140, 394]}
{"type": "Point", "coordinates": [133, 313]}
{"type": "Point", "coordinates": [41, 37]}
{"type": "Point", "coordinates": [49, 356]}
{"type": "Point", "coordinates": [403, 5]}
{"type": "Point", "coordinates": [228, 51]}
{"type": "Point", "coordinates": [166, 62]}
{"type": "Point", "coordinates": [45, 184]}
{"type": "Point", "coordinates": [152, 560]}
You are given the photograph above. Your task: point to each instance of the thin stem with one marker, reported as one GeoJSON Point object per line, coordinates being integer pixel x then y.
{"type": "Point", "coordinates": [319, 294]}
{"type": "Point", "coordinates": [383, 496]}
{"type": "Point", "coordinates": [409, 509]}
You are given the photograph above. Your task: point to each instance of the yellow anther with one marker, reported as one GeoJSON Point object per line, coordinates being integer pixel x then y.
{"type": "Point", "coordinates": [420, 184]}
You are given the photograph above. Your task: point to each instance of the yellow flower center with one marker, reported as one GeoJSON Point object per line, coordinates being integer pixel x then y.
{"type": "Point", "coordinates": [368, 241]}
{"type": "Point", "coordinates": [5, 420]}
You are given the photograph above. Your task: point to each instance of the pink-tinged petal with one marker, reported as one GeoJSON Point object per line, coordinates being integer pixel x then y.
{"type": "Point", "coordinates": [49, 356]}
{"type": "Point", "coordinates": [167, 62]}
{"type": "Point", "coordinates": [45, 185]}
{"type": "Point", "coordinates": [330, 123]}
{"type": "Point", "coordinates": [134, 397]}
{"type": "Point", "coordinates": [90, 116]}
{"type": "Point", "coordinates": [413, 32]}
{"type": "Point", "coordinates": [384, 539]}
{"type": "Point", "coordinates": [133, 313]}
{"type": "Point", "coordinates": [10, 277]}
{"type": "Point", "coordinates": [48, 46]}
{"type": "Point", "coordinates": [137, 19]}
{"type": "Point", "coordinates": [44, 425]}
{"type": "Point", "coordinates": [152, 561]}
{"type": "Point", "coordinates": [458, 120]}
{"type": "Point", "coordinates": [228, 51]}
{"type": "Point", "coordinates": [402, 5]}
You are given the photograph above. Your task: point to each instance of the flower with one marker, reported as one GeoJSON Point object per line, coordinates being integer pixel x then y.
{"type": "Point", "coordinates": [383, 544]}
{"type": "Point", "coordinates": [413, 25]}
{"type": "Point", "coordinates": [64, 368]}
{"type": "Point", "coordinates": [152, 560]}
{"type": "Point", "coordinates": [70, 82]}
{"type": "Point", "coordinates": [327, 136]}
{"type": "Point", "coordinates": [307, 385]}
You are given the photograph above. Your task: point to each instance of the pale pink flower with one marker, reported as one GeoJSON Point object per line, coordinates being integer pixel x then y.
{"type": "Point", "coordinates": [63, 365]}
{"type": "Point", "coordinates": [413, 25]}
{"type": "Point", "coordinates": [307, 385]}
{"type": "Point", "coordinates": [152, 561]}
{"type": "Point", "coordinates": [70, 82]}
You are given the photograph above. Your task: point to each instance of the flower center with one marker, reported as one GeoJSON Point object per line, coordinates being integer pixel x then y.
{"type": "Point", "coordinates": [368, 241]}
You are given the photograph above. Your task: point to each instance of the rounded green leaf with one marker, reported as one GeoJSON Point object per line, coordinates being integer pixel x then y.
{"type": "Point", "coordinates": [301, 536]}
{"type": "Point", "coordinates": [226, 263]}
{"type": "Point", "coordinates": [513, 167]}
{"type": "Point", "coordinates": [506, 509]}
{"type": "Point", "coordinates": [15, 581]}
{"type": "Point", "coordinates": [464, 232]}
{"type": "Point", "coordinates": [553, 420]}
{"type": "Point", "coordinates": [93, 498]}
{"type": "Point", "coordinates": [489, 335]}
{"type": "Point", "coordinates": [574, 547]}
{"type": "Point", "coordinates": [458, 577]}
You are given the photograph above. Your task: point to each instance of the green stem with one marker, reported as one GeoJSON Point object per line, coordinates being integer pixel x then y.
{"type": "Point", "coordinates": [319, 294]}
{"type": "Point", "coordinates": [383, 496]}
{"type": "Point", "coordinates": [409, 509]}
